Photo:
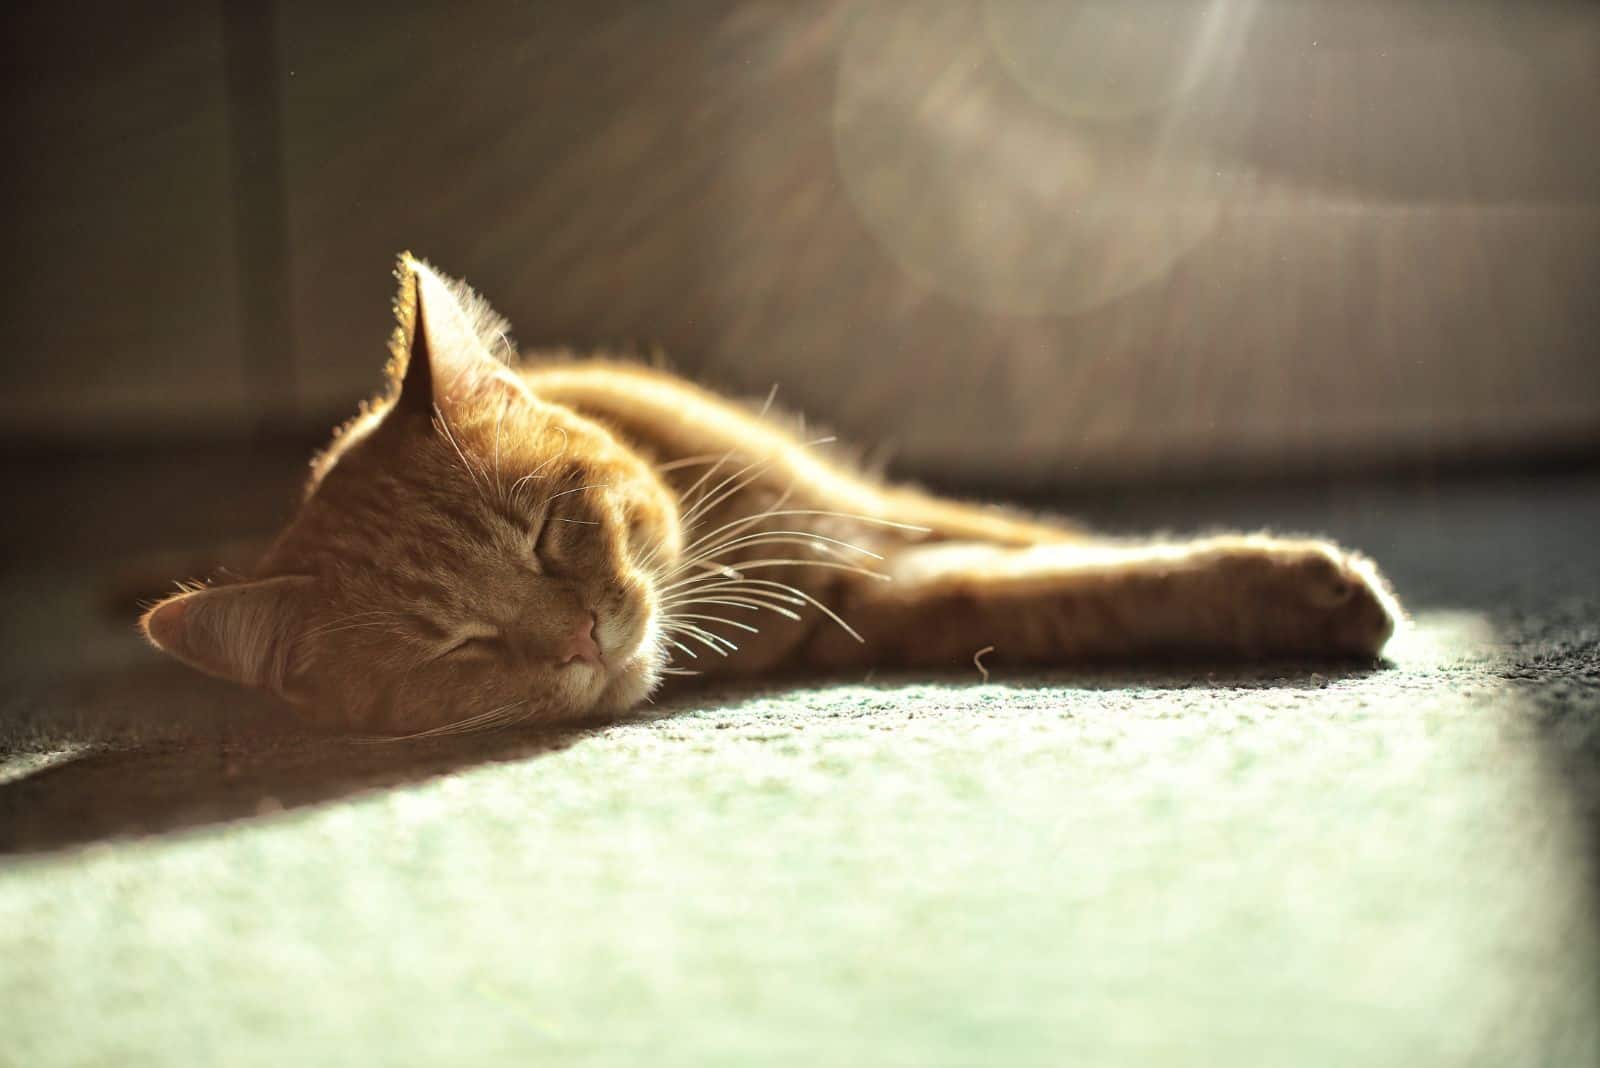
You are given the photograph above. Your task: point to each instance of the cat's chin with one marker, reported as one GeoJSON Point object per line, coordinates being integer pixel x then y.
{"type": "Point", "coordinates": [631, 683]}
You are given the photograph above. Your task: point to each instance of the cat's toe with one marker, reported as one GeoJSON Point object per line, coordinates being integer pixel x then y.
{"type": "Point", "coordinates": [1356, 613]}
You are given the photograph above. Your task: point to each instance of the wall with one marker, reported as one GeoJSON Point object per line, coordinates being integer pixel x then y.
{"type": "Point", "coordinates": [1000, 241]}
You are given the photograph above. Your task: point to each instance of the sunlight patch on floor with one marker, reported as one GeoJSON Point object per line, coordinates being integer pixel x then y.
{"type": "Point", "coordinates": [1435, 639]}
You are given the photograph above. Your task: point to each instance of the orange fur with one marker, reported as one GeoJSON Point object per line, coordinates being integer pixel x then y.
{"type": "Point", "coordinates": [471, 535]}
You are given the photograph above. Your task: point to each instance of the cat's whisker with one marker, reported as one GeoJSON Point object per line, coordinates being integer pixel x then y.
{"type": "Point", "coordinates": [678, 616]}
{"type": "Point", "coordinates": [714, 572]}
{"type": "Point", "coordinates": [575, 489]}
{"type": "Point", "coordinates": [565, 441]}
{"type": "Point", "coordinates": [728, 530]}
{"type": "Point", "coordinates": [460, 726]}
{"type": "Point", "coordinates": [681, 626]}
{"type": "Point", "coordinates": [527, 714]}
{"type": "Point", "coordinates": [485, 723]}
{"type": "Point", "coordinates": [750, 605]}
{"type": "Point", "coordinates": [793, 537]}
{"type": "Point", "coordinates": [733, 527]}
{"type": "Point", "coordinates": [740, 587]}
{"type": "Point", "coordinates": [537, 472]}
{"type": "Point", "coordinates": [714, 569]}
{"type": "Point", "coordinates": [714, 646]}
{"type": "Point", "coordinates": [728, 487]}
{"type": "Point", "coordinates": [648, 561]}
{"type": "Point", "coordinates": [808, 599]}
{"type": "Point", "coordinates": [680, 645]}
{"type": "Point", "coordinates": [706, 503]}
{"type": "Point", "coordinates": [815, 542]}
{"type": "Point", "coordinates": [711, 569]}
{"type": "Point", "coordinates": [507, 714]}
{"type": "Point", "coordinates": [516, 487]}
{"type": "Point", "coordinates": [766, 405]}
{"type": "Point", "coordinates": [388, 620]}
{"type": "Point", "coordinates": [700, 552]}
{"type": "Point", "coordinates": [717, 494]}
{"type": "Point", "coordinates": [683, 596]}
{"type": "Point", "coordinates": [832, 565]}
{"type": "Point", "coordinates": [706, 637]}
{"type": "Point", "coordinates": [699, 586]}
{"type": "Point", "coordinates": [383, 624]}
{"type": "Point", "coordinates": [690, 461]}
{"type": "Point", "coordinates": [773, 513]}
{"type": "Point", "coordinates": [689, 494]}
{"type": "Point", "coordinates": [714, 498]}
{"type": "Point", "coordinates": [692, 601]}
{"type": "Point", "coordinates": [730, 588]}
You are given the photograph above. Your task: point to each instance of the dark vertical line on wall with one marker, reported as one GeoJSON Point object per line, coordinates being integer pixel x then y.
{"type": "Point", "coordinates": [260, 207]}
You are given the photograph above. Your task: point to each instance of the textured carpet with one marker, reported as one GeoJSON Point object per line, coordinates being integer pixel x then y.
{"type": "Point", "coordinates": [1167, 867]}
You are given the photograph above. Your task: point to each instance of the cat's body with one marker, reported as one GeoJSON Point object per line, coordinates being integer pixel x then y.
{"type": "Point", "coordinates": [549, 542]}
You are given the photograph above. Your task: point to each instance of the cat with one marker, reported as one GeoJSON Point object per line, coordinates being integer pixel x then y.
{"type": "Point", "coordinates": [488, 543]}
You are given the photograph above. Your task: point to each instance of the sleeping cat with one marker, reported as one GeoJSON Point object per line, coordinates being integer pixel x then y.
{"type": "Point", "coordinates": [490, 543]}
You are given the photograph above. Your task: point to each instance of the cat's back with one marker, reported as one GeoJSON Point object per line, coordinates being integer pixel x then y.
{"type": "Point", "coordinates": [565, 379]}
{"type": "Point", "coordinates": [647, 404]}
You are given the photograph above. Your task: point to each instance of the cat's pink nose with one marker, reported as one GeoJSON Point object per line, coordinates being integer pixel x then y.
{"type": "Point", "coordinates": [581, 645]}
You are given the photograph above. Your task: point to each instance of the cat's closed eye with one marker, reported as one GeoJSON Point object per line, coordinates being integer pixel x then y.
{"type": "Point", "coordinates": [536, 538]}
{"type": "Point", "coordinates": [566, 533]}
{"type": "Point", "coordinates": [474, 645]}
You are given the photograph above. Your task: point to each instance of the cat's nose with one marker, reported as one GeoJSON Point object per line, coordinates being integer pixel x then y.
{"type": "Point", "coordinates": [580, 645]}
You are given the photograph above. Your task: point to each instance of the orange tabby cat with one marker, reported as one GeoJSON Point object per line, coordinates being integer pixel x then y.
{"type": "Point", "coordinates": [492, 543]}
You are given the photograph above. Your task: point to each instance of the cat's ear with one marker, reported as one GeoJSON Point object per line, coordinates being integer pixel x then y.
{"type": "Point", "coordinates": [243, 632]}
{"type": "Point", "coordinates": [450, 343]}
{"type": "Point", "coordinates": [410, 357]}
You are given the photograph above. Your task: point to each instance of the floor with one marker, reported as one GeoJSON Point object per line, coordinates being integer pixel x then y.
{"type": "Point", "coordinates": [1166, 867]}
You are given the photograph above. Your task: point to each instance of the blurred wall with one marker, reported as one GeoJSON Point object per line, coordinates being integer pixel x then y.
{"type": "Point", "coordinates": [1007, 241]}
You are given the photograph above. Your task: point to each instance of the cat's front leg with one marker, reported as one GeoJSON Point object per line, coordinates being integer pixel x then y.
{"type": "Point", "coordinates": [1234, 596]}
{"type": "Point", "coordinates": [1293, 597]}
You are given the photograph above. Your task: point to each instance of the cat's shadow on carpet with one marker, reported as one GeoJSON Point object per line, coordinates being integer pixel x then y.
{"type": "Point", "coordinates": [158, 750]}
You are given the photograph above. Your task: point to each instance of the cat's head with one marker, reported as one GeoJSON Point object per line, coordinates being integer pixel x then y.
{"type": "Point", "coordinates": [466, 553]}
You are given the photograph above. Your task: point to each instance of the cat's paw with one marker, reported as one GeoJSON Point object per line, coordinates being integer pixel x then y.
{"type": "Point", "coordinates": [1312, 598]}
